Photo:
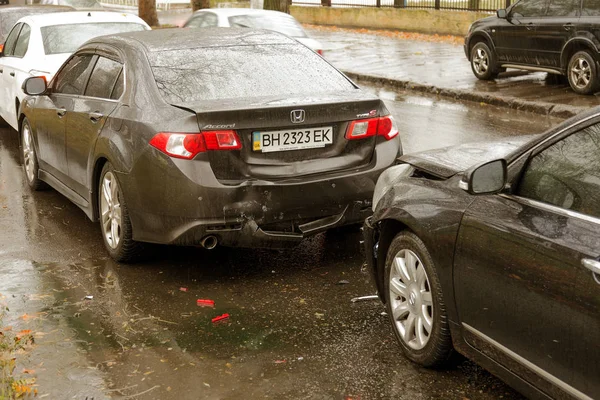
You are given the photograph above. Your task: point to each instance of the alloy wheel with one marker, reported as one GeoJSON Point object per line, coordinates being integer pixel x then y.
{"type": "Point", "coordinates": [110, 209]}
{"type": "Point", "coordinates": [481, 61]}
{"type": "Point", "coordinates": [28, 153]}
{"type": "Point", "coordinates": [411, 299]}
{"type": "Point", "coordinates": [581, 73]}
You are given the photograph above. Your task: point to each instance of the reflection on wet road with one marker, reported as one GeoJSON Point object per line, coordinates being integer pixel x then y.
{"type": "Point", "coordinates": [292, 332]}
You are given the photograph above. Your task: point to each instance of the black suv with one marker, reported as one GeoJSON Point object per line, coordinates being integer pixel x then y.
{"type": "Point", "coordinates": [555, 36]}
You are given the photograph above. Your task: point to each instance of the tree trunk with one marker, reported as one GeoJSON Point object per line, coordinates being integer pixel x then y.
{"type": "Point", "coordinates": [277, 5]}
{"type": "Point", "coordinates": [200, 4]}
{"type": "Point", "coordinates": [147, 12]}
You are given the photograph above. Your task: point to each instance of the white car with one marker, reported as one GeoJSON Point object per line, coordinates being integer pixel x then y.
{"type": "Point", "coordinates": [252, 18]}
{"type": "Point", "coordinates": [39, 44]}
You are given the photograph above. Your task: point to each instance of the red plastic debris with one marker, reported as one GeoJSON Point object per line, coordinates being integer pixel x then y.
{"type": "Point", "coordinates": [220, 318]}
{"type": "Point", "coordinates": [205, 302]}
{"type": "Point", "coordinates": [279, 361]}
{"type": "Point", "coordinates": [183, 289]}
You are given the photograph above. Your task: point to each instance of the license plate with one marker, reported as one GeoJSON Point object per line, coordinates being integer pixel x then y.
{"type": "Point", "coordinates": [293, 139]}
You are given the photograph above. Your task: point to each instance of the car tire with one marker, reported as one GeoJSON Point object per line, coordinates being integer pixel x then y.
{"type": "Point", "coordinates": [414, 302]}
{"type": "Point", "coordinates": [582, 72]}
{"type": "Point", "coordinates": [30, 160]}
{"type": "Point", "coordinates": [115, 225]}
{"type": "Point", "coordinates": [483, 62]}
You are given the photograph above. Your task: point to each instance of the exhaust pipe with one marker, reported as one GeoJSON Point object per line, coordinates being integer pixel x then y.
{"type": "Point", "coordinates": [209, 242]}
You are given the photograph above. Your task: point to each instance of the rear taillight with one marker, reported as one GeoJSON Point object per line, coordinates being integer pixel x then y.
{"type": "Point", "coordinates": [362, 128]}
{"type": "Point", "coordinates": [188, 145]}
{"type": "Point", "coordinates": [320, 52]}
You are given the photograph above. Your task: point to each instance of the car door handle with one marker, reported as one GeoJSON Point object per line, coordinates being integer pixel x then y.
{"type": "Point", "coordinates": [96, 116]}
{"type": "Point", "coordinates": [592, 265]}
{"type": "Point", "coordinates": [568, 26]}
{"type": "Point", "coordinates": [61, 112]}
{"type": "Point", "coordinates": [1, 71]}
{"type": "Point", "coordinates": [12, 74]}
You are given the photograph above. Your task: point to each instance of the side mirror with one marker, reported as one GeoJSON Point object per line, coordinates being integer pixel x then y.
{"type": "Point", "coordinates": [501, 13]}
{"type": "Point", "coordinates": [487, 178]}
{"type": "Point", "coordinates": [34, 86]}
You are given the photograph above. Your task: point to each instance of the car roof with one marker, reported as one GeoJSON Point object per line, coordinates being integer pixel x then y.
{"type": "Point", "coordinates": [180, 39]}
{"type": "Point", "coordinates": [230, 12]}
{"type": "Point", "coordinates": [78, 17]}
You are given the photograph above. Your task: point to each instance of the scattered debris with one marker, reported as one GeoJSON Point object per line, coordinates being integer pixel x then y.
{"type": "Point", "coordinates": [300, 358]}
{"type": "Point", "coordinates": [383, 313]}
{"type": "Point", "coordinates": [89, 297]}
{"type": "Point", "coordinates": [279, 361]}
{"type": "Point", "coordinates": [220, 318]}
{"type": "Point", "coordinates": [365, 298]}
{"type": "Point", "coordinates": [319, 315]}
{"type": "Point", "coordinates": [343, 282]}
{"type": "Point", "coordinates": [183, 289]}
{"type": "Point", "coordinates": [205, 303]}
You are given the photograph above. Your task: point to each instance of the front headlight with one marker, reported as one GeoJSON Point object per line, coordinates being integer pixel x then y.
{"type": "Point", "coordinates": [388, 178]}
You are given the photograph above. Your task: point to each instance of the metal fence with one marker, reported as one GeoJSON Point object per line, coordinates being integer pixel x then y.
{"type": "Point", "coordinates": [464, 5]}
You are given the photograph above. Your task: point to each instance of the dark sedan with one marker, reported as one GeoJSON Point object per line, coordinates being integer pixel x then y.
{"type": "Point", "coordinates": [10, 15]}
{"type": "Point", "coordinates": [197, 137]}
{"type": "Point", "coordinates": [493, 250]}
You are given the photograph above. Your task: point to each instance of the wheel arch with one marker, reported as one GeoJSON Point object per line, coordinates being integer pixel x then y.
{"type": "Point", "coordinates": [575, 45]}
{"type": "Point", "coordinates": [95, 182]}
{"type": "Point", "coordinates": [388, 229]}
{"type": "Point", "coordinates": [480, 36]}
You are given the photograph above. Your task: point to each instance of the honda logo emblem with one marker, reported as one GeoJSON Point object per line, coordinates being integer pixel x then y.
{"type": "Point", "coordinates": [297, 116]}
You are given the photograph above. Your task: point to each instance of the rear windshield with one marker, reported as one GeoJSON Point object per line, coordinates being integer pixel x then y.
{"type": "Point", "coordinates": [192, 75]}
{"type": "Point", "coordinates": [67, 38]}
{"type": "Point", "coordinates": [278, 23]}
{"type": "Point", "coordinates": [9, 18]}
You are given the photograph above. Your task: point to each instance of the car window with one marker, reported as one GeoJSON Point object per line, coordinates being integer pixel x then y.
{"type": "Point", "coordinates": [211, 73]}
{"type": "Point", "coordinates": [22, 42]}
{"type": "Point", "coordinates": [9, 45]}
{"type": "Point", "coordinates": [591, 8]}
{"type": "Point", "coordinates": [60, 39]}
{"type": "Point", "coordinates": [103, 78]}
{"type": "Point", "coordinates": [563, 8]}
{"type": "Point", "coordinates": [567, 174]}
{"type": "Point", "coordinates": [285, 24]}
{"type": "Point", "coordinates": [205, 20]}
{"type": "Point", "coordinates": [73, 78]}
{"type": "Point", "coordinates": [530, 8]}
{"type": "Point", "coordinates": [119, 86]}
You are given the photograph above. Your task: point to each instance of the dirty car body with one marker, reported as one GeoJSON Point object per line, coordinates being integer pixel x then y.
{"type": "Point", "coordinates": [518, 268]}
{"type": "Point", "coordinates": [236, 134]}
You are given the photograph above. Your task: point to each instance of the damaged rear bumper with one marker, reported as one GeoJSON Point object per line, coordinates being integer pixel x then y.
{"type": "Point", "coordinates": [246, 232]}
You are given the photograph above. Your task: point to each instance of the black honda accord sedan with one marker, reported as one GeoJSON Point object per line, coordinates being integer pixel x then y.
{"type": "Point", "coordinates": [493, 249]}
{"type": "Point", "coordinates": [197, 137]}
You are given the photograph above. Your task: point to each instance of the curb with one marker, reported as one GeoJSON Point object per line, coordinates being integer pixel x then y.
{"type": "Point", "coordinates": [539, 107]}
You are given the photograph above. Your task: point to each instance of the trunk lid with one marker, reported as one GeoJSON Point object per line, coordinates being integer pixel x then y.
{"type": "Point", "coordinates": [248, 116]}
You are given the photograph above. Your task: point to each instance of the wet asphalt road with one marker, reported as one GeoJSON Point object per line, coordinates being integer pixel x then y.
{"type": "Point", "coordinates": [292, 333]}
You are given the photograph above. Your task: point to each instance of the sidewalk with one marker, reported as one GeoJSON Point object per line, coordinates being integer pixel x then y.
{"type": "Point", "coordinates": [442, 68]}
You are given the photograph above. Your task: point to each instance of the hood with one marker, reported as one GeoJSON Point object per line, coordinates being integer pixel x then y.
{"type": "Point", "coordinates": [449, 161]}
{"type": "Point", "coordinates": [483, 22]}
